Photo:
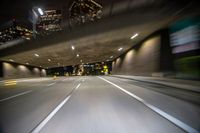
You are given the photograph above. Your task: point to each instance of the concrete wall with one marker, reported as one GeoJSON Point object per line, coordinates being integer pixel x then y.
{"type": "Point", "coordinates": [151, 57]}
{"type": "Point", "coordinates": [13, 70]}
{"type": "Point", "coordinates": [141, 60]}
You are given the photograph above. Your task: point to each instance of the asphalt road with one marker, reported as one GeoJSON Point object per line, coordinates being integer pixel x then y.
{"type": "Point", "coordinates": [93, 105]}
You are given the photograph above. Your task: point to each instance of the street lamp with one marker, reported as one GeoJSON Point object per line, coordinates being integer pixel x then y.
{"type": "Point", "coordinates": [40, 11]}
{"type": "Point", "coordinates": [37, 12]}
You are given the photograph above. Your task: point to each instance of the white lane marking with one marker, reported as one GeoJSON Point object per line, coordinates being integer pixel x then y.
{"type": "Point", "coordinates": [174, 120]}
{"type": "Point", "coordinates": [67, 79]}
{"type": "Point", "coordinates": [23, 93]}
{"type": "Point", "coordinates": [45, 121]}
{"type": "Point", "coordinates": [51, 84]}
{"type": "Point", "coordinates": [78, 86]}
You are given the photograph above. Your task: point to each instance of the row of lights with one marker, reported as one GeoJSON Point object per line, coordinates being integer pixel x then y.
{"type": "Point", "coordinates": [77, 55]}
{"type": "Point", "coordinates": [121, 48]}
{"type": "Point", "coordinates": [132, 37]}
{"type": "Point", "coordinates": [73, 48]}
{"type": "Point", "coordinates": [37, 55]}
{"type": "Point", "coordinates": [11, 60]}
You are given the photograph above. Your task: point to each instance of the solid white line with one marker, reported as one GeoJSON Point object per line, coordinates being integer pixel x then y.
{"type": "Point", "coordinates": [174, 120]}
{"type": "Point", "coordinates": [51, 84]}
{"type": "Point", "coordinates": [45, 121]}
{"type": "Point", "coordinates": [23, 93]}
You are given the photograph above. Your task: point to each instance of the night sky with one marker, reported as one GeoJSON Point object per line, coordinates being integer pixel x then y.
{"type": "Point", "coordinates": [19, 9]}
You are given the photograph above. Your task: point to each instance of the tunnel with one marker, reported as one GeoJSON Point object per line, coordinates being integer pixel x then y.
{"type": "Point", "coordinates": [97, 66]}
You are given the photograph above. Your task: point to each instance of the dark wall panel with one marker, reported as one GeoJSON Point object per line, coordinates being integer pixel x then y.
{"type": "Point", "coordinates": [141, 60]}
{"type": "Point", "coordinates": [13, 70]}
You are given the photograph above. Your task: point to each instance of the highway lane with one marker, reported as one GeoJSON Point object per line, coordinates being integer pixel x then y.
{"type": "Point", "coordinates": [99, 107]}
{"type": "Point", "coordinates": [93, 105]}
{"type": "Point", "coordinates": [184, 110]}
{"type": "Point", "coordinates": [8, 89]}
{"type": "Point", "coordinates": [21, 114]}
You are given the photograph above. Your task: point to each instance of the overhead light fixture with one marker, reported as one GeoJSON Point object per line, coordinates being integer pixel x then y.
{"type": "Point", "coordinates": [40, 11]}
{"type": "Point", "coordinates": [107, 60]}
{"type": "Point", "coordinates": [134, 36]}
{"type": "Point", "coordinates": [27, 63]}
{"type": "Point", "coordinates": [73, 48]}
{"type": "Point", "coordinates": [81, 60]}
{"type": "Point", "coordinates": [120, 49]}
{"type": "Point", "coordinates": [77, 55]}
{"type": "Point", "coordinates": [111, 57]}
{"type": "Point", "coordinates": [11, 60]}
{"type": "Point", "coordinates": [49, 60]}
{"type": "Point", "coordinates": [37, 55]}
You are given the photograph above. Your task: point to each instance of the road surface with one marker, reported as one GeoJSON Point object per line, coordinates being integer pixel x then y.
{"type": "Point", "coordinates": [93, 104]}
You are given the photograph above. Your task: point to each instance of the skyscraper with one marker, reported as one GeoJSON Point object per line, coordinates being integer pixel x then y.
{"type": "Point", "coordinates": [14, 30]}
{"type": "Point", "coordinates": [46, 21]}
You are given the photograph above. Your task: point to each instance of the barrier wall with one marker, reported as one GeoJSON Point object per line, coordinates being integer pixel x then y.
{"type": "Point", "coordinates": [14, 70]}
{"type": "Point", "coordinates": [150, 57]}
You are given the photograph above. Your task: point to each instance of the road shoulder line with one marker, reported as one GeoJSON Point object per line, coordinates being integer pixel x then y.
{"type": "Point", "coordinates": [170, 118]}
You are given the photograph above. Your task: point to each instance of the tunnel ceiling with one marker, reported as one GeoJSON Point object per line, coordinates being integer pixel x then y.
{"type": "Point", "coordinates": [106, 37]}
{"type": "Point", "coordinates": [93, 48]}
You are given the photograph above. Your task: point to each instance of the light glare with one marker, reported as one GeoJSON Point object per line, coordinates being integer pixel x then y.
{"type": "Point", "coordinates": [73, 47]}
{"type": "Point", "coordinates": [11, 60]}
{"type": "Point", "coordinates": [120, 49]}
{"type": "Point", "coordinates": [37, 55]}
{"type": "Point", "coordinates": [40, 11]}
{"type": "Point", "coordinates": [134, 36]}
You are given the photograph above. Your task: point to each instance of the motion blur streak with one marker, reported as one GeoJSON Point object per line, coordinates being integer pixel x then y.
{"type": "Point", "coordinates": [174, 120]}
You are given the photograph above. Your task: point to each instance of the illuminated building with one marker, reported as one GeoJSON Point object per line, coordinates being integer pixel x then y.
{"type": "Point", "coordinates": [84, 10]}
{"type": "Point", "coordinates": [14, 31]}
{"type": "Point", "coordinates": [47, 22]}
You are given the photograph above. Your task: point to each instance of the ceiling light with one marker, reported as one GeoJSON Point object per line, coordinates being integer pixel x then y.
{"type": "Point", "coordinates": [73, 47]}
{"type": "Point", "coordinates": [49, 60]}
{"type": "Point", "coordinates": [40, 11]}
{"type": "Point", "coordinates": [77, 55]}
{"type": "Point", "coordinates": [120, 49]}
{"type": "Point", "coordinates": [81, 60]}
{"type": "Point", "coordinates": [107, 60]}
{"type": "Point", "coordinates": [11, 60]}
{"type": "Point", "coordinates": [37, 55]}
{"type": "Point", "coordinates": [27, 63]}
{"type": "Point", "coordinates": [134, 36]}
{"type": "Point", "coordinates": [111, 57]}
